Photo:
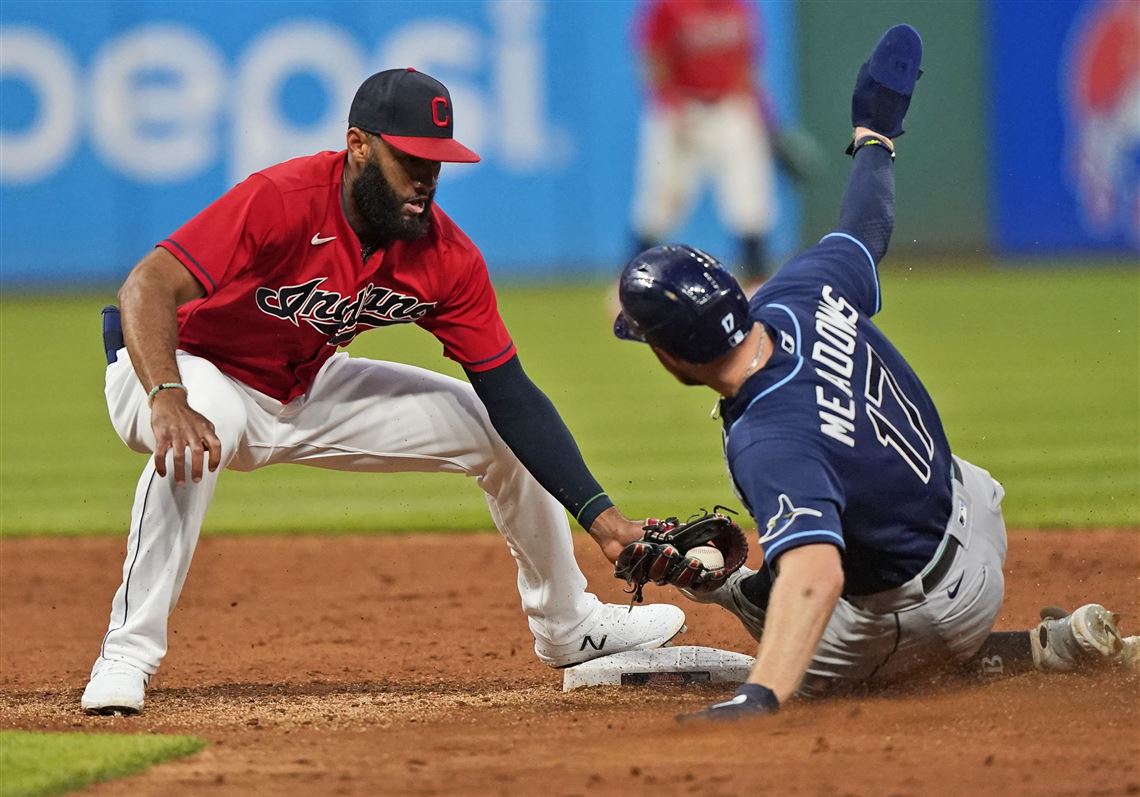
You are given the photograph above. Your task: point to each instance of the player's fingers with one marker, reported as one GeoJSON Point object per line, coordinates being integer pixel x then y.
{"type": "Point", "coordinates": [160, 449]}
{"type": "Point", "coordinates": [643, 556]}
{"type": "Point", "coordinates": [631, 563]}
{"type": "Point", "coordinates": [179, 456]}
{"type": "Point", "coordinates": [197, 455]}
{"type": "Point", "coordinates": [214, 445]}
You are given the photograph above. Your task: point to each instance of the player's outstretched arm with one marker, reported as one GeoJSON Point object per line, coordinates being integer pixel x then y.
{"type": "Point", "coordinates": [531, 426]}
{"type": "Point", "coordinates": [879, 103]}
{"type": "Point", "coordinates": [868, 210]}
{"type": "Point", "coordinates": [149, 302]}
{"type": "Point", "coordinates": [803, 597]}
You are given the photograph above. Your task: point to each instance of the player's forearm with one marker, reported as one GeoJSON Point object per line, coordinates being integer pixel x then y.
{"type": "Point", "coordinates": [868, 211]}
{"type": "Point", "coordinates": [531, 426]}
{"type": "Point", "coordinates": [149, 305]}
{"type": "Point", "coordinates": [803, 598]}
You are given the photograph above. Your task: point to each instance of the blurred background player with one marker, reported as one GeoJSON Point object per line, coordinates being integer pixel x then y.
{"type": "Point", "coordinates": [707, 117]}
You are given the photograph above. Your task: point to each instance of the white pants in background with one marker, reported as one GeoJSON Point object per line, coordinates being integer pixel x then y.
{"type": "Point", "coordinates": [359, 415]}
{"type": "Point", "coordinates": [682, 146]}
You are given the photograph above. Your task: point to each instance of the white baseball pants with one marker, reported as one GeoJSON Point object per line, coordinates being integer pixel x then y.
{"type": "Point", "coordinates": [359, 415]}
{"type": "Point", "coordinates": [679, 147]}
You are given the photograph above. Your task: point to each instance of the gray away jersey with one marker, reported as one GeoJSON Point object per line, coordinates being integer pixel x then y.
{"type": "Point", "coordinates": [836, 440]}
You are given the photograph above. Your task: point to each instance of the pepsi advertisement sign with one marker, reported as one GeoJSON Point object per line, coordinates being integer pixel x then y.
{"type": "Point", "coordinates": [122, 120]}
{"type": "Point", "coordinates": [1065, 111]}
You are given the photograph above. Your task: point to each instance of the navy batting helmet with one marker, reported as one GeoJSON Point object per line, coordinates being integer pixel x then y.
{"type": "Point", "coordinates": [683, 301]}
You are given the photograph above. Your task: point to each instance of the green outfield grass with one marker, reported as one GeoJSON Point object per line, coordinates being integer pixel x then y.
{"type": "Point", "coordinates": [79, 759]}
{"type": "Point", "coordinates": [1036, 372]}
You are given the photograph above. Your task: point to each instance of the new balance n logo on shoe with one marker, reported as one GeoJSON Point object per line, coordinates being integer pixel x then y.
{"type": "Point", "coordinates": [588, 640]}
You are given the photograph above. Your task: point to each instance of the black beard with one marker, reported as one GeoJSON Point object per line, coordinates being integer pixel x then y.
{"type": "Point", "coordinates": [380, 209]}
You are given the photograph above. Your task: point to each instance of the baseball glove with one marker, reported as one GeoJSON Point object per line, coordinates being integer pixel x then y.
{"type": "Point", "coordinates": [661, 555]}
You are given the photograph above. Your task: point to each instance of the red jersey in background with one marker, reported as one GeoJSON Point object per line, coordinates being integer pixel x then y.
{"type": "Point", "coordinates": [699, 49]}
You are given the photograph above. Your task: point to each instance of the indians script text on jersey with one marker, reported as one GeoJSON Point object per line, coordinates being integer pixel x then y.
{"type": "Point", "coordinates": [286, 281]}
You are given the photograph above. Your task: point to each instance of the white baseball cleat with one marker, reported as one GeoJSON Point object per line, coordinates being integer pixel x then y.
{"type": "Point", "coordinates": [1063, 642]}
{"type": "Point", "coordinates": [731, 597]}
{"type": "Point", "coordinates": [116, 687]}
{"type": "Point", "coordinates": [614, 629]}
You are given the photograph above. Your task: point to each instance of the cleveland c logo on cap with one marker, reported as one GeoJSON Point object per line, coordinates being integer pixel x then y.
{"type": "Point", "coordinates": [440, 113]}
{"type": "Point", "coordinates": [410, 111]}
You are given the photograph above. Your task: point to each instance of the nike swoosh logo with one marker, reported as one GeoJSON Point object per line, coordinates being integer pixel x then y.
{"type": "Point", "coordinates": [953, 591]}
{"type": "Point", "coordinates": [736, 701]}
{"type": "Point", "coordinates": [318, 240]}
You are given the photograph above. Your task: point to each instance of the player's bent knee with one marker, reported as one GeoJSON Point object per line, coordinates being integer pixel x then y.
{"type": "Point", "coordinates": [229, 420]}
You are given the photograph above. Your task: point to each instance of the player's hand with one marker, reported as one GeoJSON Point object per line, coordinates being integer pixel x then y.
{"type": "Point", "coordinates": [751, 700]}
{"type": "Point", "coordinates": [176, 428]}
{"type": "Point", "coordinates": [612, 531]}
{"type": "Point", "coordinates": [667, 552]}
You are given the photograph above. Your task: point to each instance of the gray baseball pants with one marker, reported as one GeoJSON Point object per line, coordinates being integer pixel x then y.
{"type": "Point", "coordinates": [880, 637]}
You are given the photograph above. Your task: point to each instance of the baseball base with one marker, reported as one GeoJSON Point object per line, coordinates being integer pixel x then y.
{"type": "Point", "coordinates": [681, 665]}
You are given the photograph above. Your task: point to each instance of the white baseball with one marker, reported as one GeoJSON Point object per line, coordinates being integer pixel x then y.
{"type": "Point", "coordinates": [707, 555]}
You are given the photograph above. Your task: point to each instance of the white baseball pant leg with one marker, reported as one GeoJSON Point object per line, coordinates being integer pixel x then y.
{"type": "Point", "coordinates": [360, 415]}
{"type": "Point", "coordinates": [365, 415]}
{"type": "Point", "coordinates": [889, 635]}
{"type": "Point", "coordinates": [166, 517]}
{"type": "Point", "coordinates": [668, 170]}
{"type": "Point", "coordinates": [735, 147]}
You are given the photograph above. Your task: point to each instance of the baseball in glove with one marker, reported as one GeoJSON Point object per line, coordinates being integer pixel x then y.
{"type": "Point", "coordinates": [661, 555]}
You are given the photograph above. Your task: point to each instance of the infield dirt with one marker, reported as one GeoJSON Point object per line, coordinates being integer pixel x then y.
{"type": "Point", "coordinates": [402, 665]}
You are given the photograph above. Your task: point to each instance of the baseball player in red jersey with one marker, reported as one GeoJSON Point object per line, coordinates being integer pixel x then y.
{"type": "Point", "coordinates": [707, 117]}
{"type": "Point", "coordinates": [227, 359]}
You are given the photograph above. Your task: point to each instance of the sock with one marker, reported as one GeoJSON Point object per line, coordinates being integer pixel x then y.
{"type": "Point", "coordinates": [1004, 653]}
{"type": "Point", "coordinates": [758, 587]}
{"type": "Point", "coordinates": [754, 261]}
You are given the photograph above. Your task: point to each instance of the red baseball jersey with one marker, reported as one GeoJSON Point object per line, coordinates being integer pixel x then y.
{"type": "Point", "coordinates": [287, 281]}
{"type": "Point", "coordinates": [706, 47]}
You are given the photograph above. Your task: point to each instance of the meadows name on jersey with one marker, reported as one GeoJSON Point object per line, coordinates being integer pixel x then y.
{"type": "Point", "coordinates": [835, 324]}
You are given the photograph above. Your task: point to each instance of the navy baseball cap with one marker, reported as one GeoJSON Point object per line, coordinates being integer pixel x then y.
{"type": "Point", "coordinates": [412, 112]}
